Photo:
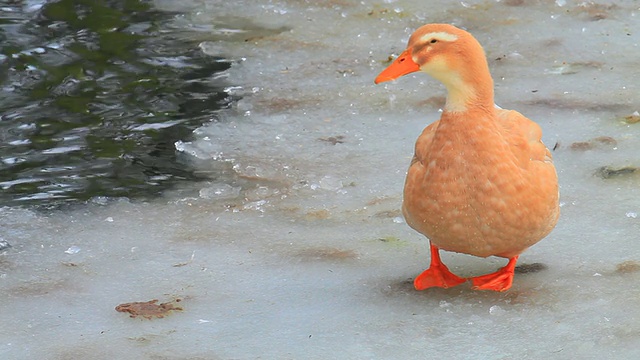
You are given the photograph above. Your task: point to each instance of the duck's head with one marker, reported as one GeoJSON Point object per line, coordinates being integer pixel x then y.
{"type": "Point", "coordinates": [450, 55]}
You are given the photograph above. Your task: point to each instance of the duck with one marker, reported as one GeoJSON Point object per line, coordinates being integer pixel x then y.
{"type": "Point", "coordinates": [481, 181]}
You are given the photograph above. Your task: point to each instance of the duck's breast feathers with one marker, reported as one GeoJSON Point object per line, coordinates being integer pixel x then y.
{"type": "Point", "coordinates": [424, 141]}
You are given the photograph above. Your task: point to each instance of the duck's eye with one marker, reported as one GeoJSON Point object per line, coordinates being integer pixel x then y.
{"type": "Point", "coordinates": [433, 41]}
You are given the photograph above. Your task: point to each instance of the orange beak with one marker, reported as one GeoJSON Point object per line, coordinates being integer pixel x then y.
{"type": "Point", "coordinates": [403, 65]}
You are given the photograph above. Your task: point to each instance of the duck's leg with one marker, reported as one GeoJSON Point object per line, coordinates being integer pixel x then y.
{"type": "Point", "coordinates": [500, 280]}
{"type": "Point", "coordinates": [437, 275]}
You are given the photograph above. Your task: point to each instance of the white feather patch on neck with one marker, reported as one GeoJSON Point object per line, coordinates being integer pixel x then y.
{"type": "Point", "coordinates": [459, 93]}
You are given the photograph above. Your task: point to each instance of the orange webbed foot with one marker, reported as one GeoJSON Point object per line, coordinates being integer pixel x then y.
{"type": "Point", "coordinates": [500, 280]}
{"type": "Point", "coordinates": [437, 275]}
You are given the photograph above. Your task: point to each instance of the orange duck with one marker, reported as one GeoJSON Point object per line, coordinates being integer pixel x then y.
{"type": "Point", "coordinates": [481, 181]}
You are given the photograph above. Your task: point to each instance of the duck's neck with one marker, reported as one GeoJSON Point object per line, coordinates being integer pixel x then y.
{"type": "Point", "coordinates": [469, 91]}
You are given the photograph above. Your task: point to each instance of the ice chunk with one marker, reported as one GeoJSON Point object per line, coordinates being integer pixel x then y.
{"type": "Point", "coordinates": [100, 200]}
{"type": "Point", "coordinates": [255, 205]}
{"type": "Point", "coordinates": [219, 191]}
{"type": "Point", "coordinates": [261, 192]}
{"type": "Point", "coordinates": [328, 182]}
{"type": "Point", "coordinates": [4, 244]}
{"type": "Point", "coordinates": [72, 250]}
{"type": "Point", "coordinates": [191, 149]}
{"type": "Point", "coordinates": [496, 310]}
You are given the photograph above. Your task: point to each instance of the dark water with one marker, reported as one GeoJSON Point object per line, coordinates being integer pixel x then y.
{"type": "Point", "coordinates": [94, 96]}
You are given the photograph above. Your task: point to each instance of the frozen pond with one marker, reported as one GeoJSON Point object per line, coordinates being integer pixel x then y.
{"type": "Point", "coordinates": [296, 248]}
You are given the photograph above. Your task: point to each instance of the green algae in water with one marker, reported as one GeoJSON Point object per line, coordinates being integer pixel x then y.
{"type": "Point", "coordinates": [392, 240]}
{"type": "Point", "coordinates": [99, 96]}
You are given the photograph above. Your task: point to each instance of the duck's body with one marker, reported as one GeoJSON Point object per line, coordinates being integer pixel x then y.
{"type": "Point", "coordinates": [470, 188]}
{"type": "Point", "coordinates": [481, 181]}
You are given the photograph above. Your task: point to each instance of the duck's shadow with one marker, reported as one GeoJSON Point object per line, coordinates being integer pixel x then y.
{"type": "Point", "coordinates": [530, 268]}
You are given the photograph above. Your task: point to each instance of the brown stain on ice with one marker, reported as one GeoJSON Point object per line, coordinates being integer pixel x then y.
{"type": "Point", "coordinates": [433, 102]}
{"type": "Point", "coordinates": [149, 309]}
{"type": "Point", "coordinates": [593, 11]}
{"type": "Point", "coordinates": [40, 287]}
{"type": "Point", "coordinates": [388, 214]}
{"type": "Point", "coordinates": [552, 42]}
{"type": "Point", "coordinates": [571, 104]}
{"type": "Point", "coordinates": [321, 214]}
{"type": "Point", "coordinates": [516, 2]}
{"type": "Point", "coordinates": [628, 267]}
{"type": "Point", "coordinates": [380, 200]}
{"type": "Point", "coordinates": [281, 104]}
{"type": "Point", "coordinates": [610, 172]}
{"type": "Point", "coordinates": [325, 254]}
{"type": "Point", "coordinates": [597, 142]}
{"type": "Point", "coordinates": [631, 119]}
{"type": "Point", "coordinates": [382, 207]}
{"type": "Point", "coordinates": [333, 140]}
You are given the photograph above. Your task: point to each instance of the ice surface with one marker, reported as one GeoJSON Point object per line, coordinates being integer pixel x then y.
{"type": "Point", "coordinates": [296, 250]}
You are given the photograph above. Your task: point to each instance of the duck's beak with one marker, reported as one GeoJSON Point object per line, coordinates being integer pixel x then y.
{"type": "Point", "coordinates": [403, 65]}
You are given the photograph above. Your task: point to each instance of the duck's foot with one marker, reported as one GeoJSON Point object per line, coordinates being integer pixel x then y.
{"type": "Point", "coordinates": [437, 275]}
{"type": "Point", "coordinates": [500, 280]}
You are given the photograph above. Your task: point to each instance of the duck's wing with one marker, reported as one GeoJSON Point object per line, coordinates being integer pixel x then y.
{"type": "Point", "coordinates": [536, 162]}
{"type": "Point", "coordinates": [525, 138]}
